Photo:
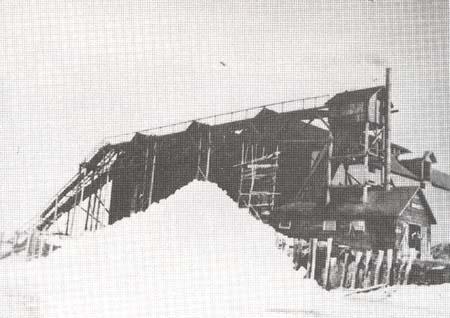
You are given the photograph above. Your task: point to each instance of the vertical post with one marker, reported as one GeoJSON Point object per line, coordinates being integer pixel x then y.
{"type": "Point", "coordinates": [387, 132]}
{"type": "Point", "coordinates": [274, 180]}
{"type": "Point", "coordinates": [313, 258]}
{"type": "Point", "coordinates": [144, 178]}
{"type": "Point", "coordinates": [366, 278]}
{"type": "Point", "coordinates": [327, 261]}
{"type": "Point", "coordinates": [355, 269]}
{"type": "Point", "coordinates": [366, 154]}
{"type": "Point", "coordinates": [199, 158]}
{"type": "Point", "coordinates": [412, 257]}
{"type": "Point", "coordinates": [378, 267]}
{"type": "Point", "coordinates": [344, 270]}
{"type": "Point", "coordinates": [389, 266]}
{"type": "Point", "coordinates": [329, 177]}
{"type": "Point", "coordinates": [28, 248]}
{"type": "Point", "coordinates": [242, 173]}
{"type": "Point", "coordinates": [87, 213]}
{"type": "Point", "coordinates": [152, 179]}
{"type": "Point", "coordinates": [208, 157]}
{"type": "Point", "coordinates": [99, 201]}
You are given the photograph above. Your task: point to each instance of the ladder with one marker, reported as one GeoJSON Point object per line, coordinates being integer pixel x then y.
{"type": "Point", "coordinates": [257, 189]}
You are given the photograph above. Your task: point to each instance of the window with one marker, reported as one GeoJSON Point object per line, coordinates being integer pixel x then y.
{"type": "Point", "coordinates": [358, 226]}
{"type": "Point", "coordinates": [285, 225]}
{"type": "Point", "coordinates": [329, 225]}
{"type": "Point", "coordinates": [416, 205]}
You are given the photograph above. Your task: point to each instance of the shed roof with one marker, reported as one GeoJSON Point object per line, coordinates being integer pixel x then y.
{"type": "Point", "coordinates": [379, 203]}
{"type": "Point", "coordinates": [360, 95]}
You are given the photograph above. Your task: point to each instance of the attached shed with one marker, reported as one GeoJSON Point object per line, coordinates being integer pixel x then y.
{"type": "Point", "coordinates": [399, 219]}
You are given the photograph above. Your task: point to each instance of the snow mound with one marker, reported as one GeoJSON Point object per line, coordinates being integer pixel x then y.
{"type": "Point", "coordinates": [194, 254]}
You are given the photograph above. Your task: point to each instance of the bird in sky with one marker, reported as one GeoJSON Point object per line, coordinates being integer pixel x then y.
{"type": "Point", "coordinates": [222, 63]}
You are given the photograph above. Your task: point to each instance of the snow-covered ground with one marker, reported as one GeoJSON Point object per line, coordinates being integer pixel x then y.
{"type": "Point", "coordinates": [193, 255]}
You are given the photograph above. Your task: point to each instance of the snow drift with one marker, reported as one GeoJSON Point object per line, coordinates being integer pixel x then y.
{"type": "Point", "coordinates": [194, 254]}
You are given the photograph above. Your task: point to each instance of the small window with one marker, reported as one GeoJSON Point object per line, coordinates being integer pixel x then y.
{"type": "Point", "coordinates": [358, 226]}
{"type": "Point", "coordinates": [329, 225]}
{"type": "Point", "coordinates": [285, 225]}
{"type": "Point", "coordinates": [416, 205]}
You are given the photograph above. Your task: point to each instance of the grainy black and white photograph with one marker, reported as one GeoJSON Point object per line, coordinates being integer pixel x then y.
{"type": "Point", "coordinates": [228, 158]}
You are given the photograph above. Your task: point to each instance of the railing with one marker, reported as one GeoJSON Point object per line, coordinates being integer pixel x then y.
{"type": "Point", "coordinates": [280, 107]}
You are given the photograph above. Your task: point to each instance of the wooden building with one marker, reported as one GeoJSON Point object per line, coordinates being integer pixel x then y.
{"type": "Point", "coordinates": [398, 219]}
{"type": "Point", "coordinates": [280, 161]}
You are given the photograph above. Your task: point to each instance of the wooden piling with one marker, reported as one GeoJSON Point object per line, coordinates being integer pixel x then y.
{"type": "Point", "coordinates": [313, 258]}
{"type": "Point", "coordinates": [327, 262]}
{"type": "Point", "coordinates": [378, 267]}
{"type": "Point", "coordinates": [366, 276]}
{"type": "Point", "coordinates": [344, 270]}
{"type": "Point", "coordinates": [355, 268]}
{"type": "Point", "coordinates": [389, 266]}
{"type": "Point", "coordinates": [412, 257]}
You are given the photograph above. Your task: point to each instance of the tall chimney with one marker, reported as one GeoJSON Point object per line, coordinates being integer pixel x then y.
{"type": "Point", "coordinates": [387, 132]}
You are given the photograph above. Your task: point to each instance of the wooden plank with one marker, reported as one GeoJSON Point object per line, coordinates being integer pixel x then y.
{"type": "Point", "coordinates": [366, 290]}
{"type": "Point", "coordinates": [344, 270]}
{"type": "Point", "coordinates": [313, 258]}
{"type": "Point", "coordinates": [378, 267]}
{"type": "Point", "coordinates": [327, 262]}
{"type": "Point", "coordinates": [355, 269]}
{"type": "Point", "coordinates": [389, 266]}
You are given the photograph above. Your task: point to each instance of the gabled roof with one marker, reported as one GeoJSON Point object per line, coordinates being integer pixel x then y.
{"type": "Point", "coordinates": [361, 95]}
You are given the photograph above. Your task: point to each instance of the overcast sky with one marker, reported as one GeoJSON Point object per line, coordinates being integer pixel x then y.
{"type": "Point", "coordinates": [74, 72]}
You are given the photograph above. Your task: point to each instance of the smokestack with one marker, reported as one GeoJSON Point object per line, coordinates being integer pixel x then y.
{"type": "Point", "coordinates": [387, 132]}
